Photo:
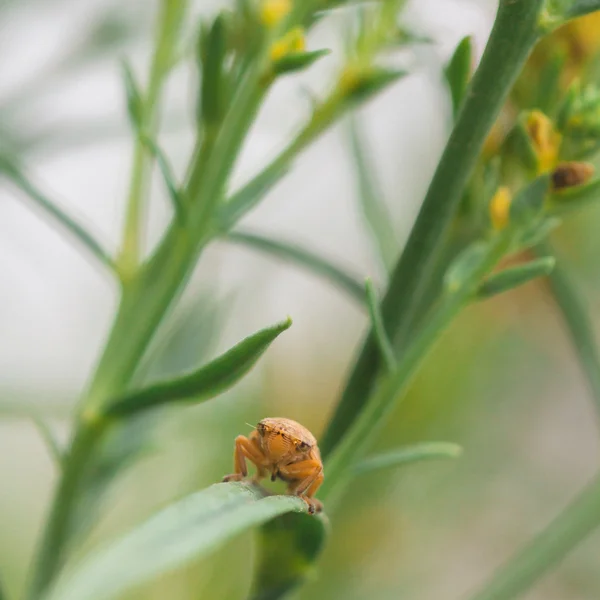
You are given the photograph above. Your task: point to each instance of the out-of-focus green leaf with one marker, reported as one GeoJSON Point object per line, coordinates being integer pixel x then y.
{"type": "Point", "coordinates": [410, 454]}
{"type": "Point", "coordinates": [372, 205]}
{"type": "Point", "coordinates": [3, 596]}
{"type": "Point", "coordinates": [458, 72]}
{"type": "Point", "coordinates": [384, 343]}
{"type": "Point", "coordinates": [365, 85]}
{"type": "Point", "coordinates": [56, 214]}
{"type": "Point", "coordinates": [245, 199]}
{"type": "Point", "coordinates": [212, 55]}
{"type": "Point", "coordinates": [304, 258]}
{"type": "Point", "coordinates": [135, 103]}
{"type": "Point", "coordinates": [537, 231]}
{"type": "Point", "coordinates": [174, 189]}
{"type": "Point", "coordinates": [205, 383]}
{"type": "Point", "coordinates": [296, 61]}
{"type": "Point", "coordinates": [464, 265]}
{"type": "Point", "coordinates": [50, 440]}
{"type": "Point", "coordinates": [183, 531]}
{"type": "Point", "coordinates": [288, 548]}
{"type": "Point", "coordinates": [529, 201]}
{"type": "Point", "coordinates": [519, 143]}
{"type": "Point", "coordinates": [511, 278]}
{"type": "Point", "coordinates": [579, 8]}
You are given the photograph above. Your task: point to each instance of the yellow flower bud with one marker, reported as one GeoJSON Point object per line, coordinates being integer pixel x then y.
{"type": "Point", "coordinates": [545, 139]}
{"type": "Point", "coordinates": [500, 208]}
{"type": "Point", "coordinates": [273, 12]}
{"type": "Point", "coordinates": [293, 41]}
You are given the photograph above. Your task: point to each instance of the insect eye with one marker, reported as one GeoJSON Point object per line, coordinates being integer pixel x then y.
{"type": "Point", "coordinates": [302, 446]}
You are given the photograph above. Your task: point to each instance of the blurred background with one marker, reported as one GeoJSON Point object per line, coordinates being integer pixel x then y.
{"type": "Point", "coordinates": [503, 383]}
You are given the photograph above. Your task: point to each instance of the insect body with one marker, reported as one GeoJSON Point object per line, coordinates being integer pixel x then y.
{"type": "Point", "coordinates": [285, 450]}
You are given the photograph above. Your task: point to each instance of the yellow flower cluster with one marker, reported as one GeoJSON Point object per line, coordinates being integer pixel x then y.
{"type": "Point", "coordinates": [272, 12]}
{"type": "Point", "coordinates": [293, 41]}
{"type": "Point", "coordinates": [545, 139]}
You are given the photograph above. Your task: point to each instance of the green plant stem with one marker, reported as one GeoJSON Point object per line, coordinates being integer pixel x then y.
{"type": "Point", "coordinates": [368, 424]}
{"type": "Point", "coordinates": [170, 15]}
{"type": "Point", "coordinates": [546, 550]}
{"type": "Point", "coordinates": [146, 297]}
{"type": "Point", "coordinates": [513, 36]}
{"type": "Point", "coordinates": [51, 553]}
{"type": "Point", "coordinates": [577, 321]}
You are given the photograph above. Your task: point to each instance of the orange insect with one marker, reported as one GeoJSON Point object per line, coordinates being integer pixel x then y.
{"type": "Point", "coordinates": [287, 451]}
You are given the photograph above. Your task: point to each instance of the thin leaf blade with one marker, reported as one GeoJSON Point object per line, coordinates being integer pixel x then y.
{"type": "Point", "coordinates": [207, 382]}
{"type": "Point", "coordinates": [509, 279]}
{"type": "Point", "coordinates": [304, 258]}
{"type": "Point", "coordinates": [458, 72]}
{"type": "Point", "coordinates": [183, 531]}
{"type": "Point", "coordinates": [410, 454]}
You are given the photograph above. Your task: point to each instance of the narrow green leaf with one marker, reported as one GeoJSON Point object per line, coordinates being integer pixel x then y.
{"type": "Point", "coordinates": [372, 205]}
{"type": "Point", "coordinates": [207, 382]}
{"type": "Point", "coordinates": [385, 346]}
{"type": "Point", "coordinates": [410, 454]}
{"type": "Point", "coordinates": [547, 549]}
{"type": "Point", "coordinates": [288, 548]}
{"type": "Point", "coordinates": [245, 199]}
{"type": "Point", "coordinates": [463, 266]}
{"type": "Point", "coordinates": [50, 440]}
{"type": "Point", "coordinates": [574, 198]}
{"type": "Point", "coordinates": [371, 82]}
{"type": "Point", "coordinates": [511, 278]}
{"type": "Point", "coordinates": [183, 531]}
{"type": "Point", "coordinates": [56, 214]}
{"type": "Point", "coordinates": [135, 103]}
{"type": "Point", "coordinates": [537, 232]}
{"type": "Point", "coordinates": [173, 188]}
{"type": "Point", "coordinates": [458, 72]}
{"type": "Point", "coordinates": [519, 143]}
{"type": "Point", "coordinates": [297, 61]}
{"type": "Point", "coordinates": [212, 100]}
{"type": "Point", "coordinates": [582, 7]}
{"type": "Point", "coordinates": [303, 258]}
{"type": "Point", "coordinates": [528, 203]}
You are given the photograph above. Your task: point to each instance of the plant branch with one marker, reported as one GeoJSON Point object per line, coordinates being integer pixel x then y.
{"type": "Point", "coordinates": [576, 318]}
{"type": "Point", "coordinates": [513, 36]}
{"type": "Point", "coordinates": [47, 435]}
{"type": "Point", "coordinates": [546, 550]}
{"type": "Point", "coordinates": [169, 19]}
{"type": "Point", "coordinates": [59, 217]}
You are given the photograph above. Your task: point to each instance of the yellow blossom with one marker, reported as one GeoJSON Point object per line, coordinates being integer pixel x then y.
{"type": "Point", "coordinates": [545, 139]}
{"type": "Point", "coordinates": [292, 42]}
{"type": "Point", "coordinates": [273, 12]}
{"type": "Point", "coordinates": [500, 208]}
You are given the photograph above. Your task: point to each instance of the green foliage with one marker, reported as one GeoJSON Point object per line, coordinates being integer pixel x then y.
{"type": "Point", "coordinates": [301, 257]}
{"type": "Point", "coordinates": [205, 383]}
{"type": "Point", "coordinates": [458, 72]}
{"type": "Point", "coordinates": [446, 263]}
{"type": "Point", "coordinates": [411, 454]}
{"type": "Point", "coordinates": [509, 279]}
{"type": "Point", "coordinates": [288, 548]}
{"type": "Point", "coordinates": [173, 537]}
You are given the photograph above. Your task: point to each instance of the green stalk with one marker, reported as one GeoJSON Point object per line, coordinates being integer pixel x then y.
{"type": "Point", "coordinates": [169, 18]}
{"type": "Point", "coordinates": [365, 428]}
{"type": "Point", "coordinates": [146, 297]}
{"type": "Point", "coordinates": [577, 321]}
{"type": "Point", "coordinates": [545, 551]}
{"type": "Point", "coordinates": [513, 36]}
